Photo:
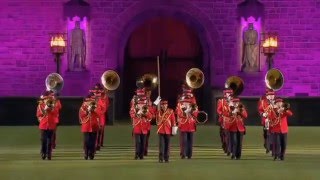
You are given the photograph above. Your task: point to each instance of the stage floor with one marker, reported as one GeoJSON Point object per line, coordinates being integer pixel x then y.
{"type": "Point", "coordinates": [20, 156]}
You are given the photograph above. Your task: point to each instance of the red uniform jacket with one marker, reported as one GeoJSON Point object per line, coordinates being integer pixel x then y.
{"type": "Point", "coordinates": [89, 122]}
{"type": "Point", "coordinates": [58, 106]}
{"type": "Point", "coordinates": [152, 110]}
{"type": "Point", "coordinates": [187, 123]}
{"type": "Point", "coordinates": [262, 108]}
{"type": "Point", "coordinates": [140, 124]}
{"type": "Point", "coordinates": [220, 104]}
{"type": "Point", "coordinates": [224, 111]}
{"type": "Point", "coordinates": [166, 121]}
{"type": "Point", "coordinates": [103, 102]}
{"type": "Point", "coordinates": [47, 118]}
{"type": "Point", "coordinates": [237, 121]}
{"type": "Point", "coordinates": [282, 122]}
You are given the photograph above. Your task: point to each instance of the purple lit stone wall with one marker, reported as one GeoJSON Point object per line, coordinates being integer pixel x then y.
{"type": "Point", "coordinates": [25, 58]}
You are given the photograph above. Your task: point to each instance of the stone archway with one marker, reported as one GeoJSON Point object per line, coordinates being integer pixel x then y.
{"type": "Point", "coordinates": [124, 25]}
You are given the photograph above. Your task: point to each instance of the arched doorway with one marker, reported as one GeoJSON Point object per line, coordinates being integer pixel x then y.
{"type": "Point", "coordinates": [179, 48]}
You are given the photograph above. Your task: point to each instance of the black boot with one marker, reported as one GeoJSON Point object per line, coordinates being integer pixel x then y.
{"type": "Point", "coordinates": [43, 156]}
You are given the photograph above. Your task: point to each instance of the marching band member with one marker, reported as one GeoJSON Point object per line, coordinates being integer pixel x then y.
{"type": "Point", "coordinates": [280, 128]}
{"type": "Point", "coordinates": [58, 107]}
{"type": "Point", "coordinates": [89, 114]}
{"type": "Point", "coordinates": [103, 101]}
{"type": "Point", "coordinates": [140, 116]}
{"type": "Point", "coordinates": [262, 106]}
{"type": "Point", "coordinates": [265, 108]}
{"type": "Point", "coordinates": [222, 106]}
{"type": "Point", "coordinates": [187, 114]}
{"type": "Point", "coordinates": [186, 91]}
{"type": "Point", "coordinates": [46, 114]}
{"type": "Point", "coordinates": [237, 128]}
{"type": "Point", "coordinates": [166, 120]}
{"type": "Point", "coordinates": [152, 110]}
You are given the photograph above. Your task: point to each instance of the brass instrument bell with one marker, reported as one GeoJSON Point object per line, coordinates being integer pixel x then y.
{"type": "Point", "coordinates": [194, 78]}
{"type": "Point", "coordinates": [236, 84]}
{"type": "Point", "coordinates": [274, 79]}
{"type": "Point", "coordinates": [110, 80]}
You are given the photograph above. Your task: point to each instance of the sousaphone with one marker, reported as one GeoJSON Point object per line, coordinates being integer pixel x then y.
{"type": "Point", "coordinates": [274, 79]}
{"type": "Point", "coordinates": [236, 84]}
{"type": "Point", "coordinates": [110, 80]}
{"type": "Point", "coordinates": [148, 81]}
{"type": "Point", "coordinates": [54, 82]}
{"type": "Point", "coordinates": [194, 78]}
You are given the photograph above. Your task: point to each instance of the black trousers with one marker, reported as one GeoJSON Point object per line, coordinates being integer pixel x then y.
{"type": "Point", "coordinates": [222, 139]}
{"type": "Point", "coordinates": [146, 144]}
{"type": "Point", "coordinates": [267, 139]}
{"type": "Point", "coordinates": [140, 144]}
{"type": "Point", "coordinates": [236, 141]}
{"type": "Point", "coordinates": [46, 142]}
{"type": "Point", "coordinates": [279, 144]}
{"type": "Point", "coordinates": [227, 140]}
{"type": "Point", "coordinates": [90, 142]}
{"type": "Point", "coordinates": [187, 143]}
{"type": "Point", "coordinates": [164, 145]}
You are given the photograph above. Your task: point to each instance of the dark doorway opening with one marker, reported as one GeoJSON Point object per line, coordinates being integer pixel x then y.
{"type": "Point", "coordinates": [179, 49]}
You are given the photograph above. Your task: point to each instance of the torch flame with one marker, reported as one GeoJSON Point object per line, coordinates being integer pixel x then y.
{"type": "Point", "coordinates": [58, 41]}
{"type": "Point", "coordinates": [270, 42]}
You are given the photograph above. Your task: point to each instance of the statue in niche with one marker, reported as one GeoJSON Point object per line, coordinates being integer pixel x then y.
{"type": "Point", "coordinates": [250, 57]}
{"type": "Point", "coordinates": [78, 49]}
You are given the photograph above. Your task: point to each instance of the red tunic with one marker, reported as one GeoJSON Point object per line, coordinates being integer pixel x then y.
{"type": "Point", "coordinates": [103, 102]}
{"type": "Point", "coordinates": [237, 121]}
{"type": "Point", "coordinates": [166, 121]}
{"type": "Point", "coordinates": [140, 124]}
{"type": "Point", "coordinates": [187, 123]}
{"type": "Point", "coordinates": [58, 106]}
{"type": "Point", "coordinates": [224, 111]}
{"type": "Point", "coordinates": [47, 118]}
{"type": "Point", "coordinates": [281, 125]}
{"type": "Point", "coordinates": [263, 105]}
{"type": "Point", "coordinates": [89, 121]}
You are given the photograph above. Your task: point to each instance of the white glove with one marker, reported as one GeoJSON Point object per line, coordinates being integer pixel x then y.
{"type": "Point", "coordinates": [234, 111]}
{"type": "Point", "coordinates": [90, 108]}
{"type": "Point", "coordinates": [188, 110]}
{"type": "Point", "coordinates": [46, 107]}
{"type": "Point", "coordinates": [265, 115]}
{"type": "Point", "coordinates": [157, 101]}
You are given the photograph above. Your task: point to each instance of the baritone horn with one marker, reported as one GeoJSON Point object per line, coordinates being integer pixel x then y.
{"type": "Point", "coordinates": [54, 82]}
{"type": "Point", "coordinates": [148, 81]}
{"type": "Point", "coordinates": [274, 79]}
{"type": "Point", "coordinates": [236, 84]}
{"type": "Point", "coordinates": [110, 80]}
{"type": "Point", "coordinates": [194, 78]}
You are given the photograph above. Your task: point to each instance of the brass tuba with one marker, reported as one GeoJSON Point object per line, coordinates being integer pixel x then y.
{"type": "Point", "coordinates": [110, 80]}
{"type": "Point", "coordinates": [274, 79]}
{"type": "Point", "coordinates": [236, 84]}
{"type": "Point", "coordinates": [148, 81]}
{"type": "Point", "coordinates": [54, 82]}
{"type": "Point", "coordinates": [194, 78]}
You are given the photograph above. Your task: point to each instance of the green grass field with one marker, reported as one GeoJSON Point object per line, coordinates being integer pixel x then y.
{"type": "Point", "coordinates": [20, 157]}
